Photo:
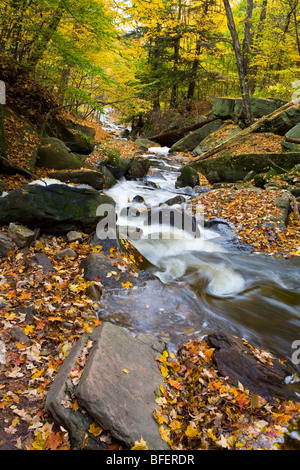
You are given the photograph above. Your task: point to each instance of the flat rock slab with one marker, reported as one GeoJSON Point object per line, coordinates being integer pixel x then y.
{"type": "Point", "coordinates": [117, 386]}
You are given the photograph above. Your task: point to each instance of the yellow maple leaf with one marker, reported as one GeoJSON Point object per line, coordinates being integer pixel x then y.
{"type": "Point", "coordinates": [28, 329]}
{"type": "Point", "coordinates": [127, 285]}
{"type": "Point", "coordinates": [95, 429]}
{"type": "Point", "coordinates": [164, 434]}
{"type": "Point", "coordinates": [140, 445]}
{"type": "Point", "coordinates": [191, 432]}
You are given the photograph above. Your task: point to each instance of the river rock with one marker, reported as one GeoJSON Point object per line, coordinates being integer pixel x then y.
{"type": "Point", "coordinates": [80, 138]}
{"type": "Point", "coordinates": [233, 107]}
{"type": "Point", "coordinates": [54, 154]}
{"type": "Point", "coordinates": [188, 177]}
{"type": "Point", "coordinates": [97, 179]}
{"type": "Point", "coordinates": [20, 235]}
{"type": "Point", "coordinates": [116, 389]}
{"type": "Point", "coordinates": [190, 141]}
{"type": "Point", "coordinates": [56, 208]}
{"type": "Point", "coordinates": [289, 146]}
{"type": "Point", "coordinates": [235, 360]}
{"type": "Point", "coordinates": [230, 169]}
{"type": "Point", "coordinates": [97, 266]}
{"type": "Point", "coordinates": [284, 121]}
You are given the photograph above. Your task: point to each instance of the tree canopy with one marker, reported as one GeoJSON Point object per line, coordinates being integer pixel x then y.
{"type": "Point", "coordinates": [154, 54]}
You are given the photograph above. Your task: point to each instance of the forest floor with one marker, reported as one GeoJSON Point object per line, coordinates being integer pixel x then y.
{"type": "Point", "coordinates": [52, 310]}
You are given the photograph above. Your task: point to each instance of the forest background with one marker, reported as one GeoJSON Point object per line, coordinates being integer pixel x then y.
{"type": "Point", "coordinates": [153, 55]}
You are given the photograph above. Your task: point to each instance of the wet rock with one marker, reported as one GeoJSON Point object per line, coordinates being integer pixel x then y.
{"type": "Point", "coordinates": [174, 200]}
{"type": "Point", "coordinates": [230, 169]}
{"type": "Point", "coordinates": [188, 177]}
{"type": "Point", "coordinates": [97, 179]}
{"type": "Point", "coordinates": [138, 169]}
{"type": "Point", "coordinates": [56, 208]}
{"type": "Point", "coordinates": [119, 402]}
{"type": "Point", "coordinates": [94, 292]}
{"type": "Point", "coordinates": [97, 266]}
{"type": "Point", "coordinates": [235, 360]}
{"type": "Point", "coordinates": [20, 235]}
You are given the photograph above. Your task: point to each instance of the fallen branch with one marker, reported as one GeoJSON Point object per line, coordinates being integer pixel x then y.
{"type": "Point", "coordinates": [169, 138]}
{"type": "Point", "coordinates": [248, 130]}
{"type": "Point", "coordinates": [293, 140]}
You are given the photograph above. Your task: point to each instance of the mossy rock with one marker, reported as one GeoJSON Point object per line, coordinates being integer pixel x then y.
{"type": "Point", "coordinates": [187, 177]}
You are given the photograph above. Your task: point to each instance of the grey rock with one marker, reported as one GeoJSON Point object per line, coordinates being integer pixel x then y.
{"type": "Point", "coordinates": [41, 261]}
{"type": "Point", "coordinates": [66, 253]}
{"type": "Point", "coordinates": [74, 236]}
{"type": "Point", "coordinates": [122, 402]}
{"type": "Point", "coordinates": [5, 245]}
{"type": "Point", "coordinates": [230, 169]}
{"type": "Point", "coordinates": [56, 209]}
{"type": "Point", "coordinates": [77, 422]}
{"type": "Point", "coordinates": [20, 235]}
{"type": "Point", "coordinates": [54, 154]}
{"type": "Point", "coordinates": [192, 140]}
{"type": "Point", "coordinates": [18, 335]}
{"type": "Point", "coordinates": [235, 360]}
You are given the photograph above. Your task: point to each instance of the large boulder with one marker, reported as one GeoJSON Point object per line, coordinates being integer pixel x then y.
{"type": "Point", "coordinates": [54, 154]}
{"type": "Point", "coordinates": [190, 141]}
{"type": "Point", "coordinates": [56, 208]}
{"type": "Point", "coordinates": [226, 108]}
{"type": "Point", "coordinates": [188, 177]}
{"type": "Point", "coordinates": [284, 121]}
{"type": "Point", "coordinates": [78, 137]}
{"type": "Point", "coordinates": [97, 179]}
{"type": "Point", "coordinates": [230, 169]}
{"type": "Point", "coordinates": [259, 106]}
{"type": "Point", "coordinates": [223, 107]}
{"type": "Point", "coordinates": [130, 168]}
{"type": "Point", "coordinates": [289, 146]}
{"type": "Point", "coordinates": [116, 388]}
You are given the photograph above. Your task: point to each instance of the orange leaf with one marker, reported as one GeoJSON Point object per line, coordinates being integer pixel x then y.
{"type": "Point", "coordinates": [53, 441]}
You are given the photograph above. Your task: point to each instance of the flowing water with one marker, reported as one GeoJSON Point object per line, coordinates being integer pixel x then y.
{"type": "Point", "coordinates": [200, 284]}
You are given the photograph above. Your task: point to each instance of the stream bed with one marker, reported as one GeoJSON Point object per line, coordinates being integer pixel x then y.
{"type": "Point", "coordinates": [197, 285]}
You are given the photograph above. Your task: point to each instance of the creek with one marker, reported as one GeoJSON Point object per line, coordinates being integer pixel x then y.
{"type": "Point", "coordinates": [199, 284]}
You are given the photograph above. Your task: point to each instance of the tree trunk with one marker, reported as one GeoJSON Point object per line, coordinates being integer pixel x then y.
{"type": "Point", "coordinates": [169, 138]}
{"type": "Point", "coordinates": [193, 75]}
{"type": "Point", "coordinates": [46, 36]}
{"type": "Point", "coordinates": [239, 62]}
